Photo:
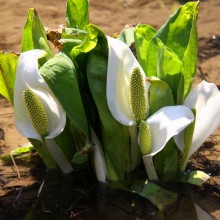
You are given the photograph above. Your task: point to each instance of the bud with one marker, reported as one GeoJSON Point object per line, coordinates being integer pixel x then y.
{"type": "Point", "coordinates": [144, 138]}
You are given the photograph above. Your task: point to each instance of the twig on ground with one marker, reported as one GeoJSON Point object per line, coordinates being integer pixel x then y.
{"type": "Point", "coordinates": [16, 168]}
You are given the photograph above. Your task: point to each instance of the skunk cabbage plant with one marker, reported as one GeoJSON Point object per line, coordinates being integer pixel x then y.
{"type": "Point", "coordinates": [38, 114]}
{"type": "Point", "coordinates": [127, 92]}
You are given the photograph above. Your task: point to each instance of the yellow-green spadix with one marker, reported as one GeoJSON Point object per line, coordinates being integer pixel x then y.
{"type": "Point", "coordinates": [28, 78]}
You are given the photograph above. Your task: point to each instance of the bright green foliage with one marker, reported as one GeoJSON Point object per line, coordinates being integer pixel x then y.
{"type": "Point", "coordinates": [142, 35]}
{"type": "Point", "coordinates": [179, 34]}
{"type": "Point", "coordinates": [34, 36]}
{"type": "Point", "coordinates": [169, 67]}
{"type": "Point", "coordinates": [144, 138]}
{"type": "Point", "coordinates": [77, 14]}
{"type": "Point", "coordinates": [37, 112]}
{"type": "Point", "coordinates": [8, 65]}
{"type": "Point", "coordinates": [138, 97]}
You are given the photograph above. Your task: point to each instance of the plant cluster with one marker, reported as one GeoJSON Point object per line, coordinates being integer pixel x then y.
{"type": "Point", "coordinates": [132, 116]}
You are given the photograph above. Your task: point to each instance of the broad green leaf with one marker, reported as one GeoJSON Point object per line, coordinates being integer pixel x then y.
{"type": "Point", "coordinates": [169, 67]}
{"type": "Point", "coordinates": [61, 76]}
{"type": "Point", "coordinates": [77, 14]}
{"type": "Point", "coordinates": [160, 95]}
{"type": "Point", "coordinates": [180, 35]}
{"type": "Point", "coordinates": [114, 136]}
{"type": "Point", "coordinates": [127, 35]}
{"type": "Point", "coordinates": [143, 34]}
{"type": "Point", "coordinates": [8, 65]}
{"type": "Point", "coordinates": [34, 36]}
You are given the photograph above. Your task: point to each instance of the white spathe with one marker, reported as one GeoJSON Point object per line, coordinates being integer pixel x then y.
{"type": "Point", "coordinates": [166, 123]}
{"type": "Point", "coordinates": [121, 63]}
{"type": "Point", "coordinates": [205, 99]}
{"type": "Point", "coordinates": [28, 77]}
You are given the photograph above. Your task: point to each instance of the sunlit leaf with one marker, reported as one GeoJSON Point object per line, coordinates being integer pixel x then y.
{"type": "Point", "coordinates": [8, 65]}
{"type": "Point", "coordinates": [169, 67]}
{"type": "Point", "coordinates": [77, 13]}
{"type": "Point", "coordinates": [180, 35]}
{"type": "Point", "coordinates": [143, 34]}
{"type": "Point", "coordinates": [196, 177]}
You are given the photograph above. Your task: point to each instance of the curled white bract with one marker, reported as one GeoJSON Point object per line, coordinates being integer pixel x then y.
{"type": "Point", "coordinates": [28, 78]}
{"type": "Point", "coordinates": [205, 99]}
{"type": "Point", "coordinates": [166, 123]}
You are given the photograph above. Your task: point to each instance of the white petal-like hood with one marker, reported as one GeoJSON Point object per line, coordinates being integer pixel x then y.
{"type": "Point", "coordinates": [28, 77]}
{"type": "Point", "coordinates": [205, 98]}
{"type": "Point", "coordinates": [166, 123]}
{"type": "Point", "coordinates": [121, 63]}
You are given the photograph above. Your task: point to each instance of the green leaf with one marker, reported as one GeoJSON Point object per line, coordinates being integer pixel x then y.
{"type": "Point", "coordinates": [143, 34]}
{"type": "Point", "coordinates": [169, 67]}
{"type": "Point", "coordinates": [114, 136]}
{"type": "Point", "coordinates": [61, 76]}
{"type": "Point", "coordinates": [159, 196]}
{"type": "Point", "coordinates": [127, 35]}
{"type": "Point", "coordinates": [160, 95]}
{"type": "Point", "coordinates": [24, 149]}
{"type": "Point", "coordinates": [8, 65]}
{"type": "Point", "coordinates": [180, 35]}
{"type": "Point", "coordinates": [189, 60]}
{"type": "Point", "coordinates": [77, 14]}
{"type": "Point", "coordinates": [196, 177]}
{"type": "Point", "coordinates": [34, 36]}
